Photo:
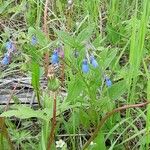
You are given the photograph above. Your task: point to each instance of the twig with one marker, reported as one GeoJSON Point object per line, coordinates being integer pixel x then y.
{"type": "Point", "coordinates": [108, 115]}
{"type": "Point", "coordinates": [52, 133]}
{"type": "Point", "coordinates": [45, 18]}
{"type": "Point", "coordinates": [7, 105]}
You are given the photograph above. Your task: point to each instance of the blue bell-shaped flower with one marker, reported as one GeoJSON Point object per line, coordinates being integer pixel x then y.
{"type": "Point", "coordinates": [93, 62]}
{"type": "Point", "coordinates": [33, 40]}
{"type": "Point", "coordinates": [55, 58]}
{"type": "Point", "coordinates": [9, 45]}
{"type": "Point", "coordinates": [85, 66]}
{"type": "Point", "coordinates": [108, 82]}
{"type": "Point", "coordinates": [5, 60]}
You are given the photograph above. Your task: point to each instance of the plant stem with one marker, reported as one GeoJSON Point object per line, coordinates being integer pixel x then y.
{"type": "Point", "coordinates": [38, 98]}
{"type": "Point", "coordinates": [46, 58]}
{"type": "Point", "coordinates": [62, 74]}
{"type": "Point", "coordinates": [52, 133]}
{"type": "Point", "coordinates": [108, 115]}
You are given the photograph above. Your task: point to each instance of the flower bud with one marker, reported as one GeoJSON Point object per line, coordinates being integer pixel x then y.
{"type": "Point", "coordinates": [33, 40]}
{"type": "Point", "coordinates": [108, 82]}
{"type": "Point", "coordinates": [10, 47]}
{"type": "Point", "coordinates": [53, 84]}
{"type": "Point", "coordinates": [5, 60]}
{"type": "Point", "coordinates": [55, 58]}
{"type": "Point", "coordinates": [93, 62]}
{"type": "Point", "coordinates": [76, 53]}
{"type": "Point", "coordinates": [85, 66]}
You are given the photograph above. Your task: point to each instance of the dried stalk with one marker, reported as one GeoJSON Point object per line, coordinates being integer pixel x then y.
{"type": "Point", "coordinates": [52, 133]}
{"type": "Point", "coordinates": [62, 74]}
{"type": "Point", "coordinates": [46, 57]}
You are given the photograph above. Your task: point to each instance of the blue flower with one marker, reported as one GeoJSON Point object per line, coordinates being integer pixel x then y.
{"type": "Point", "coordinates": [108, 82]}
{"type": "Point", "coordinates": [55, 58]}
{"type": "Point", "coordinates": [5, 60]}
{"type": "Point", "coordinates": [93, 61]}
{"type": "Point", "coordinates": [85, 66]}
{"type": "Point", "coordinates": [9, 45]}
{"type": "Point", "coordinates": [33, 40]}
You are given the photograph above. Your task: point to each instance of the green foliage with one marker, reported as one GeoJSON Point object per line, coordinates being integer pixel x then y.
{"type": "Point", "coordinates": [24, 112]}
{"type": "Point", "coordinates": [117, 33]}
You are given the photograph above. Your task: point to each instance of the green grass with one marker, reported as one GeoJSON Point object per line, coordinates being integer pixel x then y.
{"type": "Point", "coordinates": [117, 33]}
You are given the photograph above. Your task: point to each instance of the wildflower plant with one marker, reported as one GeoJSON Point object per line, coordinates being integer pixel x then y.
{"type": "Point", "coordinates": [83, 90]}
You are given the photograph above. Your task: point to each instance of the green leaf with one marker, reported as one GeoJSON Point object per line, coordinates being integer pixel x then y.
{"type": "Point", "coordinates": [109, 58]}
{"type": "Point", "coordinates": [114, 34]}
{"type": "Point", "coordinates": [117, 89]}
{"type": "Point", "coordinates": [35, 69]}
{"type": "Point", "coordinates": [67, 39]}
{"type": "Point", "coordinates": [74, 89]}
{"type": "Point", "coordinates": [41, 37]}
{"type": "Point", "coordinates": [35, 75]}
{"type": "Point", "coordinates": [4, 5]}
{"type": "Point", "coordinates": [24, 112]}
{"type": "Point", "coordinates": [85, 34]}
{"type": "Point", "coordinates": [31, 13]}
{"type": "Point", "coordinates": [99, 142]}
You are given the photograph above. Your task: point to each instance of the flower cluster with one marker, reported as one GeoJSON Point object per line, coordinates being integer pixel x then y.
{"type": "Point", "coordinates": [94, 63]}
{"type": "Point", "coordinates": [59, 53]}
{"type": "Point", "coordinates": [10, 47]}
{"type": "Point", "coordinates": [85, 66]}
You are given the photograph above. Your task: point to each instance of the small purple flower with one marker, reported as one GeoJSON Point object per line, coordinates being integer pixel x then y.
{"type": "Point", "coordinates": [60, 52]}
{"type": "Point", "coordinates": [93, 62]}
{"type": "Point", "coordinates": [55, 58]}
{"type": "Point", "coordinates": [108, 82]}
{"type": "Point", "coordinates": [33, 40]}
{"type": "Point", "coordinates": [85, 66]}
{"type": "Point", "coordinates": [5, 60]}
